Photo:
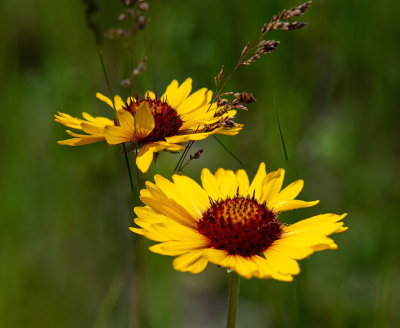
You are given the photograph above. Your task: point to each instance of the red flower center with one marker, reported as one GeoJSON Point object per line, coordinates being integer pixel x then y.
{"type": "Point", "coordinates": [166, 119]}
{"type": "Point", "coordinates": [240, 226]}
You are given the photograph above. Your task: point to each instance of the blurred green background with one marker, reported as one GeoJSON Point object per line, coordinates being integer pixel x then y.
{"type": "Point", "coordinates": [65, 248]}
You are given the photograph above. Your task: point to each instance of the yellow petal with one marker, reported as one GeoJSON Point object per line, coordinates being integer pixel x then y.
{"type": "Point", "coordinates": [131, 100]}
{"type": "Point", "coordinates": [281, 262]}
{"type": "Point", "coordinates": [126, 121]}
{"type": "Point", "coordinates": [174, 247]}
{"type": "Point", "coordinates": [301, 245]}
{"type": "Point", "coordinates": [192, 102]}
{"type": "Point", "coordinates": [68, 120]}
{"type": "Point", "coordinates": [192, 194]}
{"type": "Point", "coordinates": [118, 102]}
{"type": "Point", "coordinates": [144, 121]}
{"type": "Point", "coordinates": [228, 184]}
{"type": "Point", "coordinates": [116, 134]}
{"type": "Point", "coordinates": [228, 131]}
{"type": "Point", "coordinates": [99, 120]}
{"type": "Point", "coordinates": [170, 209]}
{"type": "Point", "coordinates": [152, 235]}
{"type": "Point", "coordinates": [176, 231]}
{"type": "Point", "coordinates": [170, 91]}
{"type": "Point", "coordinates": [192, 261]}
{"type": "Point", "coordinates": [341, 229]}
{"type": "Point", "coordinates": [145, 155]}
{"type": "Point", "coordinates": [169, 188]}
{"type": "Point", "coordinates": [147, 214]}
{"type": "Point", "coordinates": [243, 181]}
{"type": "Point", "coordinates": [243, 266]}
{"type": "Point", "coordinates": [296, 252]}
{"type": "Point", "coordinates": [210, 184]}
{"type": "Point", "coordinates": [271, 185]}
{"type": "Point", "coordinates": [255, 187]}
{"type": "Point", "coordinates": [175, 98]}
{"type": "Point", "coordinates": [292, 204]}
{"type": "Point", "coordinates": [265, 270]}
{"type": "Point", "coordinates": [203, 112]}
{"type": "Point", "coordinates": [305, 239]}
{"type": "Point", "coordinates": [169, 146]}
{"type": "Point", "coordinates": [186, 137]}
{"type": "Point", "coordinates": [288, 193]}
{"type": "Point", "coordinates": [144, 158]}
{"type": "Point", "coordinates": [105, 99]}
{"type": "Point", "coordinates": [87, 116]}
{"type": "Point", "coordinates": [93, 128]}
{"type": "Point", "coordinates": [159, 250]}
{"type": "Point", "coordinates": [150, 95]}
{"type": "Point", "coordinates": [323, 247]}
{"type": "Point", "coordinates": [319, 223]}
{"type": "Point", "coordinates": [80, 141]}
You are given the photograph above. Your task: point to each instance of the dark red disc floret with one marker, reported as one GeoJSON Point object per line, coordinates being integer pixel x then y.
{"type": "Point", "coordinates": [240, 226]}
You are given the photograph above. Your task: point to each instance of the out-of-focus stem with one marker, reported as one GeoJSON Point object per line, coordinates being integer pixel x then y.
{"type": "Point", "coordinates": [233, 298]}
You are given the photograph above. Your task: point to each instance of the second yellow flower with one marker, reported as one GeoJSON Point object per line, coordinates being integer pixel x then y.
{"type": "Point", "coordinates": [152, 123]}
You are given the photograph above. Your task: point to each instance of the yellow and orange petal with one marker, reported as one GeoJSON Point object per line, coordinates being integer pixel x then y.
{"type": "Point", "coordinates": [233, 222]}
{"type": "Point", "coordinates": [154, 124]}
{"type": "Point", "coordinates": [93, 126]}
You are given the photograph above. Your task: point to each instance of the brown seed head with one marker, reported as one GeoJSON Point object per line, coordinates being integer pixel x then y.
{"type": "Point", "coordinates": [295, 11]}
{"type": "Point", "coordinates": [244, 97]}
{"type": "Point", "coordinates": [220, 75]}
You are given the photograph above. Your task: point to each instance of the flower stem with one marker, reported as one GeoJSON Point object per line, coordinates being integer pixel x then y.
{"type": "Point", "coordinates": [116, 117]}
{"type": "Point", "coordinates": [234, 285]}
{"type": "Point", "coordinates": [137, 317]}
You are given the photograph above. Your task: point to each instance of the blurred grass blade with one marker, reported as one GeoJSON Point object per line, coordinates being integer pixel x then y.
{"type": "Point", "coordinates": [109, 302]}
{"type": "Point", "coordinates": [280, 131]}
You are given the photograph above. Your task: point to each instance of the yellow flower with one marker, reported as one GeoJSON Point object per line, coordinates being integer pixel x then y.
{"type": "Point", "coordinates": [154, 124]}
{"type": "Point", "coordinates": [232, 223]}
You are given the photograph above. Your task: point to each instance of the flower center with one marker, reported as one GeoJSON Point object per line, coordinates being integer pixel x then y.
{"type": "Point", "coordinates": [240, 226]}
{"type": "Point", "coordinates": [166, 119]}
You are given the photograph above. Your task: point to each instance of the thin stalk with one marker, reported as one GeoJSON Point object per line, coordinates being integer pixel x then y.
{"type": "Point", "coordinates": [138, 317]}
{"type": "Point", "coordinates": [129, 169]}
{"type": "Point", "coordinates": [228, 151]}
{"type": "Point", "coordinates": [227, 79]}
{"type": "Point", "coordinates": [218, 90]}
{"type": "Point", "coordinates": [234, 286]}
{"type": "Point", "coordinates": [110, 94]}
{"type": "Point", "coordinates": [280, 132]}
{"type": "Point", "coordinates": [116, 117]}
{"type": "Point", "coordinates": [178, 166]}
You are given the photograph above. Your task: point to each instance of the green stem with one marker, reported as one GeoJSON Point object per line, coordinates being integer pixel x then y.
{"type": "Point", "coordinates": [234, 285]}
{"type": "Point", "coordinates": [228, 151]}
{"type": "Point", "coordinates": [116, 117]}
{"type": "Point", "coordinates": [280, 133]}
{"type": "Point", "coordinates": [178, 167]}
{"type": "Point", "coordinates": [129, 170]}
{"type": "Point", "coordinates": [138, 317]}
